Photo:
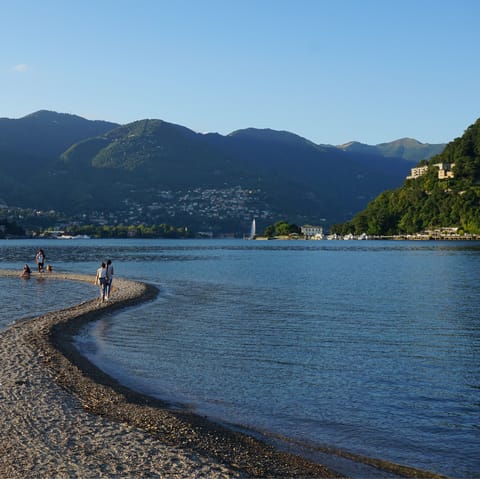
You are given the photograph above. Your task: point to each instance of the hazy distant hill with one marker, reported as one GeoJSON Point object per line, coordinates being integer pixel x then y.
{"type": "Point", "coordinates": [47, 134]}
{"type": "Point", "coordinates": [407, 148]}
{"type": "Point", "coordinates": [30, 145]}
{"type": "Point", "coordinates": [154, 171]}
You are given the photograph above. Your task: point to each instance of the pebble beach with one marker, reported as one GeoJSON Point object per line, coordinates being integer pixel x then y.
{"type": "Point", "coordinates": [61, 417]}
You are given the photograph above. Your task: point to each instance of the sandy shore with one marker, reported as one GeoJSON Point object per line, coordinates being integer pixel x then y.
{"type": "Point", "coordinates": [61, 417]}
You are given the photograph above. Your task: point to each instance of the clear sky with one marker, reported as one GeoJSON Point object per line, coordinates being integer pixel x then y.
{"type": "Point", "coordinates": [331, 71]}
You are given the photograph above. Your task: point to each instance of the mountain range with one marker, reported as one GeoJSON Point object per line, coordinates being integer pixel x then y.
{"type": "Point", "coordinates": [153, 171]}
{"type": "Point", "coordinates": [407, 148]}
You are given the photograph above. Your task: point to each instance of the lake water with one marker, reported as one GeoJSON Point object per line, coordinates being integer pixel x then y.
{"type": "Point", "coordinates": [22, 299]}
{"type": "Point", "coordinates": [369, 347]}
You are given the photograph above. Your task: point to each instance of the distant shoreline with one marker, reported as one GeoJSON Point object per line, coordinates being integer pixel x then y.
{"type": "Point", "coordinates": [399, 237]}
{"type": "Point", "coordinates": [378, 238]}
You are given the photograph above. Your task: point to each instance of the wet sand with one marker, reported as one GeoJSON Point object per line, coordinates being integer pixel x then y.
{"type": "Point", "coordinates": [61, 417]}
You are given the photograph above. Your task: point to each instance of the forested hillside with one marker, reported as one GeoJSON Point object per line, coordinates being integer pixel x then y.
{"type": "Point", "coordinates": [154, 172]}
{"type": "Point", "coordinates": [430, 201]}
{"type": "Point", "coordinates": [153, 164]}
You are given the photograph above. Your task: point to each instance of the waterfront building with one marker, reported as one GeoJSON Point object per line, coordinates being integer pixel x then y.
{"type": "Point", "coordinates": [312, 232]}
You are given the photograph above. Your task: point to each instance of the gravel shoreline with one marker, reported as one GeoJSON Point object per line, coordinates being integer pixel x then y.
{"type": "Point", "coordinates": [61, 417]}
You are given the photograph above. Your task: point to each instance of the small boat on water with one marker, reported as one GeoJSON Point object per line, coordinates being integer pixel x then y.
{"type": "Point", "coordinates": [62, 235]}
{"type": "Point", "coordinates": [73, 237]}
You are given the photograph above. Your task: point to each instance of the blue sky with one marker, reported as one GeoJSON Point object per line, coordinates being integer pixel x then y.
{"type": "Point", "coordinates": [331, 71]}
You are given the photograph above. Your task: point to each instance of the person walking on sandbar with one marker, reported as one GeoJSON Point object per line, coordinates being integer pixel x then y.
{"type": "Point", "coordinates": [109, 280]}
{"type": "Point", "coordinates": [101, 280]}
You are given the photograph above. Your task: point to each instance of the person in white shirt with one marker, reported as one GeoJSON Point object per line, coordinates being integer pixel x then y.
{"type": "Point", "coordinates": [101, 280]}
{"type": "Point", "coordinates": [40, 259]}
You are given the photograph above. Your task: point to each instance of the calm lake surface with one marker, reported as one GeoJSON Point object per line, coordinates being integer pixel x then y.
{"type": "Point", "coordinates": [369, 347]}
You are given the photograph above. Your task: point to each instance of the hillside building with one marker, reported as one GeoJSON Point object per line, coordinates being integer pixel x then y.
{"type": "Point", "coordinates": [417, 172]}
{"type": "Point", "coordinates": [445, 170]}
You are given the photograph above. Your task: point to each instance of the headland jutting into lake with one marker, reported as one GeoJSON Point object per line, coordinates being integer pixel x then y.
{"type": "Point", "coordinates": [60, 416]}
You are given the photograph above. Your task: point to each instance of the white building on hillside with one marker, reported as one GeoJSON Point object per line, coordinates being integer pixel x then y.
{"type": "Point", "coordinates": [444, 171]}
{"type": "Point", "coordinates": [417, 172]}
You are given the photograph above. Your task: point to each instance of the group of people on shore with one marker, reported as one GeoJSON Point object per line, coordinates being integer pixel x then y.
{"type": "Point", "coordinates": [104, 279]}
{"type": "Point", "coordinates": [40, 260]}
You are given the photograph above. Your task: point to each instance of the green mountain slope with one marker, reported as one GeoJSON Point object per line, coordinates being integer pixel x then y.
{"type": "Point", "coordinates": [153, 171]}
{"type": "Point", "coordinates": [319, 181]}
{"type": "Point", "coordinates": [154, 153]}
{"type": "Point", "coordinates": [289, 175]}
{"type": "Point", "coordinates": [429, 201]}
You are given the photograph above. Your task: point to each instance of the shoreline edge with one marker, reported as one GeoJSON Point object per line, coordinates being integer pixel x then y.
{"type": "Point", "coordinates": [42, 354]}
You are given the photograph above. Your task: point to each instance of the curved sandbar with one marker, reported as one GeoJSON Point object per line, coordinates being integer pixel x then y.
{"type": "Point", "coordinates": [60, 416]}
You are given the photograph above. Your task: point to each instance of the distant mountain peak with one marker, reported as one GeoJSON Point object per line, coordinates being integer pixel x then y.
{"type": "Point", "coordinates": [49, 115]}
{"type": "Point", "coordinates": [350, 144]}
{"type": "Point", "coordinates": [46, 133]}
{"type": "Point", "coordinates": [151, 127]}
{"type": "Point", "coordinates": [268, 134]}
{"type": "Point", "coordinates": [412, 142]}
{"type": "Point", "coordinates": [409, 149]}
